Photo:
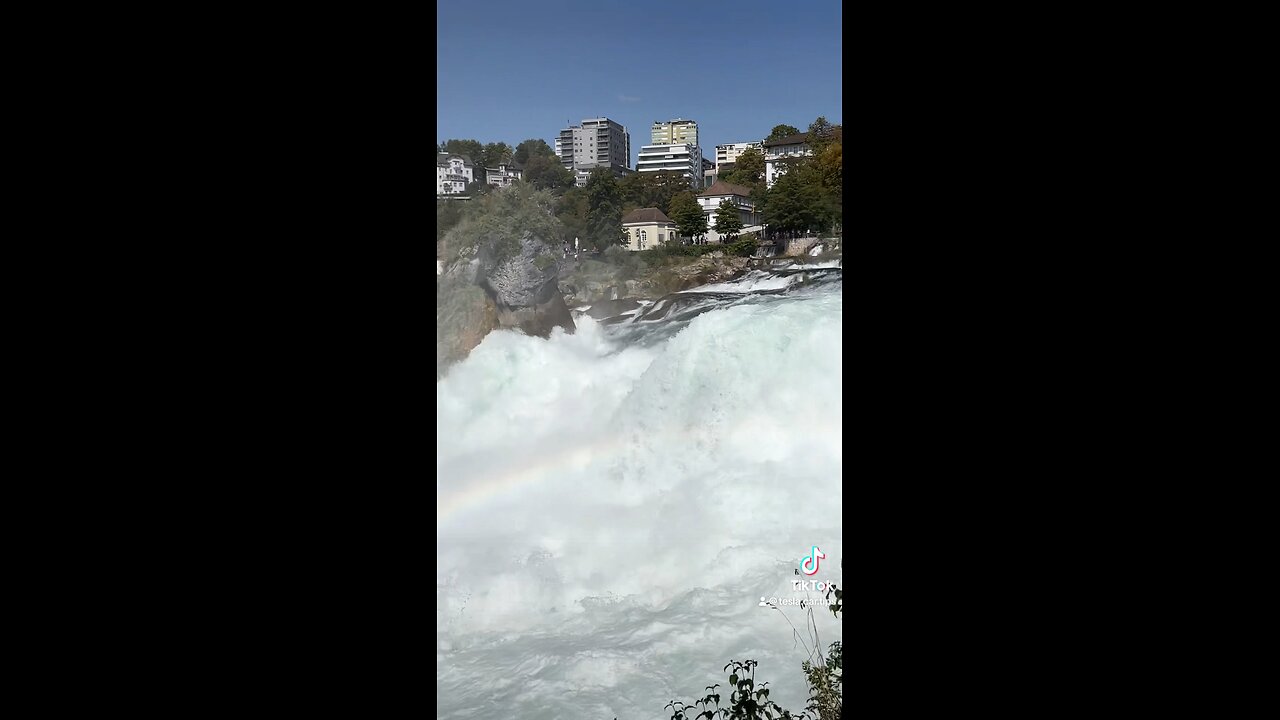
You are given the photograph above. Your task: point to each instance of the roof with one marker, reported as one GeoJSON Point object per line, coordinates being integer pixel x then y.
{"type": "Point", "coordinates": [724, 188]}
{"type": "Point", "coordinates": [443, 158]}
{"type": "Point", "coordinates": [789, 140]}
{"type": "Point", "coordinates": [645, 215]}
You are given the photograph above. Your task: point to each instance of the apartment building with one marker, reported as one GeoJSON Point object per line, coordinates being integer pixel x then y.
{"type": "Point", "coordinates": [674, 132]}
{"type": "Point", "coordinates": [580, 177]}
{"type": "Point", "coordinates": [681, 158]}
{"type": "Point", "coordinates": [729, 152]}
{"type": "Point", "coordinates": [597, 142]}
{"type": "Point", "coordinates": [776, 151]}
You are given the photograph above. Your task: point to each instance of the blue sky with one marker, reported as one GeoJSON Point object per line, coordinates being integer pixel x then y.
{"type": "Point", "coordinates": [509, 70]}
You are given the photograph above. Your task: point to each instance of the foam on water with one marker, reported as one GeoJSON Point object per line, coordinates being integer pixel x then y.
{"type": "Point", "coordinates": [754, 281]}
{"type": "Point", "coordinates": [611, 515]}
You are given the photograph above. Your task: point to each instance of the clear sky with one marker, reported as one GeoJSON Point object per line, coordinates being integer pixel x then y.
{"type": "Point", "coordinates": [510, 70]}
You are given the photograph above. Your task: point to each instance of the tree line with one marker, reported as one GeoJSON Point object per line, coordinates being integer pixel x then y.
{"type": "Point", "coordinates": [808, 196]}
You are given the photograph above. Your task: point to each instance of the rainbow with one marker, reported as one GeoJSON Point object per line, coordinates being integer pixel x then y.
{"type": "Point", "coordinates": [502, 483]}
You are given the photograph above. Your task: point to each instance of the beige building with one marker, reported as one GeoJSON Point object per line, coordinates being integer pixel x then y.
{"type": "Point", "coordinates": [674, 132]}
{"type": "Point", "coordinates": [726, 154]}
{"type": "Point", "coordinates": [648, 228]}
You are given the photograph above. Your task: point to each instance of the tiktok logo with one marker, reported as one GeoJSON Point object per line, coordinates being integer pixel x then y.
{"type": "Point", "coordinates": [809, 563]}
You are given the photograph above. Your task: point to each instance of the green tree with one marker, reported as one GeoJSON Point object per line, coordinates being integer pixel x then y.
{"type": "Point", "coordinates": [546, 173]}
{"type": "Point", "coordinates": [495, 154]}
{"type": "Point", "coordinates": [668, 186]}
{"type": "Point", "coordinates": [747, 170]}
{"type": "Point", "coordinates": [820, 133]}
{"type": "Point", "coordinates": [448, 214]}
{"type": "Point", "coordinates": [690, 221]}
{"type": "Point", "coordinates": [780, 131]}
{"type": "Point", "coordinates": [636, 191]}
{"type": "Point", "coordinates": [472, 149]}
{"type": "Point", "coordinates": [828, 179]}
{"type": "Point", "coordinates": [822, 174]}
{"type": "Point", "coordinates": [571, 209]}
{"type": "Point", "coordinates": [530, 148]}
{"type": "Point", "coordinates": [728, 219]}
{"type": "Point", "coordinates": [652, 189]}
{"type": "Point", "coordinates": [789, 206]}
{"type": "Point", "coordinates": [604, 210]}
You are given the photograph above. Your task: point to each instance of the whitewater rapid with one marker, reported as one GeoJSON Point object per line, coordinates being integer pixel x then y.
{"type": "Point", "coordinates": [613, 504]}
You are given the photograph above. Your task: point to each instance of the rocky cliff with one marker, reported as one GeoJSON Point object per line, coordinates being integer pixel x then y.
{"type": "Point", "coordinates": [503, 275]}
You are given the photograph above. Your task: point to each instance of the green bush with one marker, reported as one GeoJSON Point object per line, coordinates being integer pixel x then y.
{"type": "Point", "coordinates": [744, 246]}
{"type": "Point", "coordinates": [617, 255]}
{"type": "Point", "coordinates": [681, 250]}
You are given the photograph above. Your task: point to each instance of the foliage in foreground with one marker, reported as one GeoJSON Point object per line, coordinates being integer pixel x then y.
{"type": "Point", "coordinates": [747, 701]}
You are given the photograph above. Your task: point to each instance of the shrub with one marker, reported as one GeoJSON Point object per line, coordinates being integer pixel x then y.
{"type": "Point", "coordinates": [616, 254]}
{"type": "Point", "coordinates": [744, 246]}
{"type": "Point", "coordinates": [674, 250]}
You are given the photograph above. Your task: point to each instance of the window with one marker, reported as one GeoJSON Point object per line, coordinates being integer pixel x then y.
{"type": "Point", "coordinates": [660, 238]}
{"type": "Point", "coordinates": [643, 236]}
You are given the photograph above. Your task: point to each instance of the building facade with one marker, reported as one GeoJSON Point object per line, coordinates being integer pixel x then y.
{"type": "Point", "coordinates": [580, 177]}
{"type": "Point", "coordinates": [709, 200]}
{"type": "Point", "coordinates": [648, 228]}
{"type": "Point", "coordinates": [453, 173]}
{"type": "Point", "coordinates": [729, 153]}
{"type": "Point", "coordinates": [776, 151]}
{"type": "Point", "coordinates": [597, 142]}
{"type": "Point", "coordinates": [684, 159]}
{"type": "Point", "coordinates": [674, 132]}
{"type": "Point", "coordinates": [709, 173]}
{"type": "Point", "coordinates": [503, 175]}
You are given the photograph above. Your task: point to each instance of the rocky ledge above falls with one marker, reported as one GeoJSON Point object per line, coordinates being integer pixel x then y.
{"type": "Point", "coordinates": [589, 282]}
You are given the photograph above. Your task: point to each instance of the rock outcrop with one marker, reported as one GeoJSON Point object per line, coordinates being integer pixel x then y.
{"type": "Point", "coordinates": [498, 279]}
{"type": "Point", "coordinates": [595, 281]}
{"type": "Point", "coordinates": [464, 315]}
{"type": "Point", "coordinates": [522, 282]}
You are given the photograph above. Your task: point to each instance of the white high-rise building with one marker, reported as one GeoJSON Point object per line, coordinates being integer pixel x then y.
{"type": "Point", "coordinates": [681, 158]}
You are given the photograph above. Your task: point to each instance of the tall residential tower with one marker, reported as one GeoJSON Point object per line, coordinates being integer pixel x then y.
{"type": "Point", "coordinates": [597, 142]}
{"type": "Point", "coordinates": [675, 132]}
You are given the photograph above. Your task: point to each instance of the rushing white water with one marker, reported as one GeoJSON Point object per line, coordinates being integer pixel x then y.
{"type": "Point", "coordinates": [611, 511]}
{"type": "Point", "coordinates": [754, 281]}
